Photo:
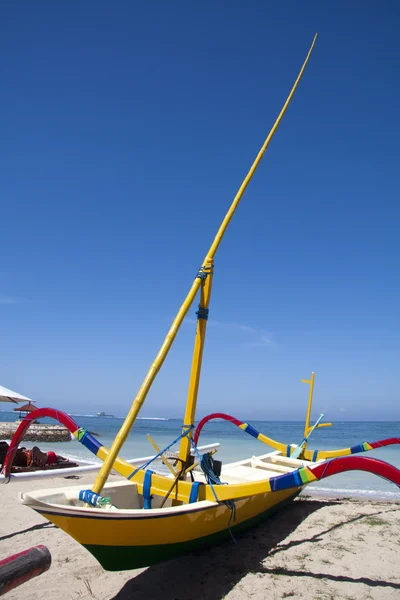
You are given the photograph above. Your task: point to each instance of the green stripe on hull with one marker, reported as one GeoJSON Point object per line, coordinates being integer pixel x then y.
{"type": "Point", "coordinates": [122, 558]}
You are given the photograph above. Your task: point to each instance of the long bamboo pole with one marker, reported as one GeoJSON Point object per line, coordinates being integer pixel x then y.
{"type": "Point", "coordinates": [163, 352]}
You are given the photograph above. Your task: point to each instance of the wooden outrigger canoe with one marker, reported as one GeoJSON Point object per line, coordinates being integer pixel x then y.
{"type": "Point", "coordinates": [126, 535]}
{"type": "Point", "coordinates": [150, 516]}
{"type": "Point", "coordinates": [131, 536]}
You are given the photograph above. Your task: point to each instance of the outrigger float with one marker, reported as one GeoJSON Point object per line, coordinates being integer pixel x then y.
{"type": "Point", "coordinates": [150, 516]}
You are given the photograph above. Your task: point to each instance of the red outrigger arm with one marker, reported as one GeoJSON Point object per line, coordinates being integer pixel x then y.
{"type": "Point", "coordinates": [87, 439]}
{"type": "Point", "coordinates": [357, 463]}
{"type": "Point", "coordinates": [306, 475]}
{"type": "Point", "coordinates": [311, 455]}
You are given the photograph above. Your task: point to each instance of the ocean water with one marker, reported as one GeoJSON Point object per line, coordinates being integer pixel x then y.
{"type": "Point", "coordinates": [236, 444]}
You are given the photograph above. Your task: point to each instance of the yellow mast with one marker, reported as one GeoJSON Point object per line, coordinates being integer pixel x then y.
{"type": "Point", "coordinates": [310, 396]}
{"type": "Point", "coordinates": [307, 428]}
{"type": "Point", "coordinates": [188, 422]}
{"type": "Point", "coordinates": [163, 352]}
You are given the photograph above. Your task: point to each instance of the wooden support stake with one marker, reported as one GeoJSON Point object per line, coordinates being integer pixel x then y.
{"type": "Point", "coordinates": [22, 567]}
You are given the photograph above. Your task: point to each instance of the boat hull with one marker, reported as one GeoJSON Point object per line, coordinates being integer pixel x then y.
{"type": "Point", "coordinates": [123, 542]}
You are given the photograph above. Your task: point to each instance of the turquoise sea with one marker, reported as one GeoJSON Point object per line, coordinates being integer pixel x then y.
{"type": "Point", "coordinates": [235, 444]}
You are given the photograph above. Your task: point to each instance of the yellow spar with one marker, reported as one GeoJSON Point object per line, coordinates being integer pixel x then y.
{"type": "Point", "coordinates": [307, 428]}
{"type": "Point", "coordinates": [163, 352]}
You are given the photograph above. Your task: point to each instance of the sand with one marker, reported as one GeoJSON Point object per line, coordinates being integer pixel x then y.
{"type": "Point", "coordinates": [319, 549]}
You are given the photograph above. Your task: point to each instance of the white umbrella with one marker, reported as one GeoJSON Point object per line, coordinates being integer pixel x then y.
{"type": "Point", "coordinates": [10, 396]}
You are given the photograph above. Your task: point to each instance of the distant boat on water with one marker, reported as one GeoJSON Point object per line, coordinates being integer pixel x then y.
{"type": "Point", "coordinates": [103, 414]}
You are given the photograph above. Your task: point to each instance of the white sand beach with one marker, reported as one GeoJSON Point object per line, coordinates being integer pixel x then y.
{"type": "Point", "coordinates": [316, 548]}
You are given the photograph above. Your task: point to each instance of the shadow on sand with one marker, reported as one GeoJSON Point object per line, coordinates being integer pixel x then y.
{"type": "Point", "coordinates": [37, 527]}
{"type": "Point", "coordinates": [212, 573]}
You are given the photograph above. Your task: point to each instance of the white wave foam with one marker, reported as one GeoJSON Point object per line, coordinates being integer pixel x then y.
{"type": "Point", "coordinates": [118, 417]}
{"type": "Point", "coordinates": [82, 459]}
{"type": "Point", "coordinates": [152, 419]}
{"type": "Point", "coordinates": [353, 492]}
{"type": "Point", "coordinates": [76, 415]}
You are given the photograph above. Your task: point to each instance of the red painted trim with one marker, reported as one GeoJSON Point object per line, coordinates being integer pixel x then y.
{"type": "Point", "coordinates": [387, 442]}
{"type": "Point", "coordinates": [9, 559]}
{"type": "Point", "coordinates": [357, 463]}
{"type": "Point", "coordinates": [39, 413]}
{"type": "Point", "coordinates": [28, 564]}
{"type": "Point", "coordinates": [214, 416]}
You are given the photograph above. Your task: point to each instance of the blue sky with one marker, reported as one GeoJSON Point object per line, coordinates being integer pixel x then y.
{"type": "Point", "coordinates": [126, 131]}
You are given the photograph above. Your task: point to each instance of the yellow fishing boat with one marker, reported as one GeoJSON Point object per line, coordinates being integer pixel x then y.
{"type": "Point", "coordinates": [150, 516]}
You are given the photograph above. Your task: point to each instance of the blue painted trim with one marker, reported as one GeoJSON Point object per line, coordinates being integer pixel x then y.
{"type": "Point", "coordinates": [146, 489]}
{"type": "Point", "coordinates": [356, 449]}
{"type": "Point", "coordinates": [194, 492]}
{"type": "Point", "coordinates": [249, 429]}
{"type": "Point", "coordinates": [314, 456]}
{"type": "Point", "coordinates": [288, 449]}
{"type": "Point", "coordinates": [284, 482]}
{"type": "Point", "coordinates": [90, 442]}
{"type": "Point", "coordinates": [297, 477]}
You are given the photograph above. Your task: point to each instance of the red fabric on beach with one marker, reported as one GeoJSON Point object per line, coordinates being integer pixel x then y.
{"type": "Point", "coordinates": [51, 458]}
